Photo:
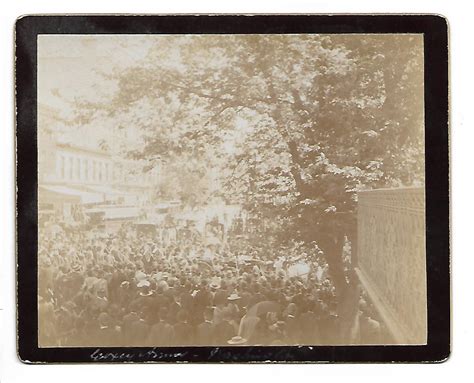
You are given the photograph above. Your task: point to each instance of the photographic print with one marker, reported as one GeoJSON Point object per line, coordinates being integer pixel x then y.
{"type": "Point", "coordinates": [230, 190]}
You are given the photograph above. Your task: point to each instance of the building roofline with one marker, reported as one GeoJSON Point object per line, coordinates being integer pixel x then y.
{"type": "Point", "coordinates": [84, 149]}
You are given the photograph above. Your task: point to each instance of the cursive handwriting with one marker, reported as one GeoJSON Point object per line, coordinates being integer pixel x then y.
{"type": "Point", "coordinates": [154, 354]}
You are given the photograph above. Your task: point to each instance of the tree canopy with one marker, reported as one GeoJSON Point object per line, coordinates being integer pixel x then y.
{"type": "Point", "coordinates": [294, 125]}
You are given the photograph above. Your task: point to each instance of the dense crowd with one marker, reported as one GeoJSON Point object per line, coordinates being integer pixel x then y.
{"type": "Point", "coordinates": [130, 289]}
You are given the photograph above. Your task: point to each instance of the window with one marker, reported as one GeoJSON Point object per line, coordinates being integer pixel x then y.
{"type": "Point", "coordinates": [62, 165]}
{"type": "Point", "coordinates": [88, 170]}
{"type": "Point", "coordinates": [84, 169]}
{"type": "Point", "coordinates": [77, 169]}
{"type": "Point", "coordinates": [71, 166]}
{"type": "Point", "coordinates": [100, 170]}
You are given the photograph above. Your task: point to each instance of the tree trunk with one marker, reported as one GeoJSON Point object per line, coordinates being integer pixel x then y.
{"type": "Point", "coordinates": [332, 247]}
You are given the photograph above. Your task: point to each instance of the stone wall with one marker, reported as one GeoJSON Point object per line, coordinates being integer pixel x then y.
{"type": "Point", "coordinates": [392, 259]}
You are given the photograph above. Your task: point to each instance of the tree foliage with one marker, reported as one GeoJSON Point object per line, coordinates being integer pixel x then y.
{"type": "Point", "coordinates": [296, 125]}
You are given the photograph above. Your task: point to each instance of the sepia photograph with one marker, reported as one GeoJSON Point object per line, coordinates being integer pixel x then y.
{"type": "Point", "coordinates": [231, 190]}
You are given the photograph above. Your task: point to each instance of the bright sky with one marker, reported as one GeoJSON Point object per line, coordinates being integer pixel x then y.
{"type": "Point", "coordinates": [69, 65]}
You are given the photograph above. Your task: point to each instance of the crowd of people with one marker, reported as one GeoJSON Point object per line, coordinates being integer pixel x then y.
{"type": "Point", "coordinates": [129, 289]}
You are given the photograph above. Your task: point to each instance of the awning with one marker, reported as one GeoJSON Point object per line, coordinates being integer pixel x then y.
{"type": "Point", "coordinates": [55, 193]}
{"type": "Point", "coordinates": [116, 212]}
{"type": "Point", "coordinates": [122, 213]}
{"type": "Point", "coordinates": [108, 191]}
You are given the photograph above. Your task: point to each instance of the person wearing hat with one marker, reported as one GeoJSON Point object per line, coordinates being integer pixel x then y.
{"type": "Point", "coordinates": [204, 296]}
{"type": "Point", "coordinates": [160, 301]}
{"type": "Point", "coordinates": [220, 295]}
{"type": "Point", "coordinates": [215, 283]}
{"type": "Point", "coordinates": [144, 287]}
{"type": "Point", "coordinates": [175, 306]}
{"type": "Point", "coordinates": [161, 332]}
{"type": "Point", "coordinates": [125, 293]}
{"type": "Point", "coordinates": [127, 320]}
{"type": "Point", "coordinates": [187, 299]}
{"type": "Point", "coordinates": [245, 295]}
{"type": "Point", "coordinates": [257, 296]}
{"type": "Point", "coordinates": [205, 332]}
{"type": "Point", "coordinates": [232, 309]}
{"type": "Point", "coordinates": [184, 332]}
{"type": "Point", "coordinates": [105, 335]}
{"type": "Point", "coordinates": [98, 297]}
{"type": "Point", "coordinates": [74, 280]}
{"type": "Point", "coordinates": [145, 300]}
{"type": "Point", "coordinates": [117, 277]}
{"type": "Point", "coordinates": [139, 330]}
{"type": "Point", "coordinates": [224, 330]}
{"type": "Point", "coordinates": [220, 303]}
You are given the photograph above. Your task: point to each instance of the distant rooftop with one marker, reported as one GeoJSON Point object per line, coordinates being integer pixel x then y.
{"type": "Point", "coordinates": [80, 148]}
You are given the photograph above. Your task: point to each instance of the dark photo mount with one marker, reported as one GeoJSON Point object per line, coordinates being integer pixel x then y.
{"type": "Point", "coordinates": [435, 41]}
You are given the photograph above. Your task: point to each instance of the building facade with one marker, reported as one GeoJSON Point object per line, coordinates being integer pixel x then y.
{"type": "Point", "coordinates": [71, 174]}
{"type": "Point", "coordinates": [391, 259]}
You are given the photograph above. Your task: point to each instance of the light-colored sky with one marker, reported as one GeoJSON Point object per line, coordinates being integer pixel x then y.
{"type": "Point", "coordinates": [73, 66]}
{"type": "Point", "coordinates": [69, 65]}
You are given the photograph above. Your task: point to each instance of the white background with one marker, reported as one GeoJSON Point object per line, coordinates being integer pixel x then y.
{"type": "Point", "coordinates": [457, 368]}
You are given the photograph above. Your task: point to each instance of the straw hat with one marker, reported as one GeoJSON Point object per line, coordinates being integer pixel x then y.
{"type": "Point", "coordinates": [215, 283]}
{"type": "Point", "coordinates": [233, 297]}
{"type": "Point", "coordinates": [237, 340]}
{"type": "Point", "coordinates": [143, 283]}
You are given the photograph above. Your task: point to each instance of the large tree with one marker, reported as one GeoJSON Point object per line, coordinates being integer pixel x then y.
{"type": "Point", "coordinates": [296, 124]}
